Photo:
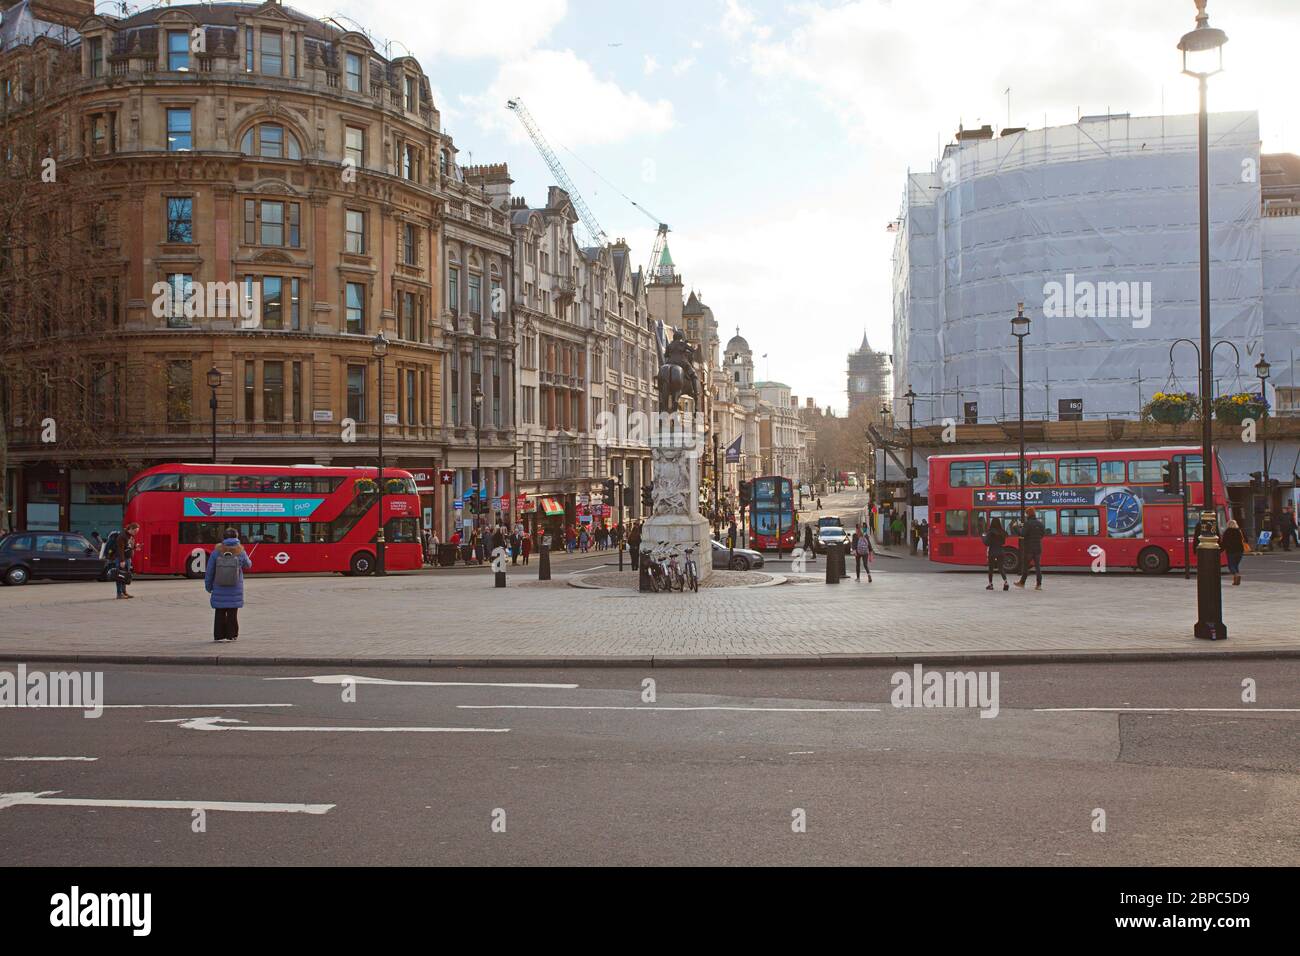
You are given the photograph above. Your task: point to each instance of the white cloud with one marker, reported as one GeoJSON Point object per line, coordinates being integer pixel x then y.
{"type": "Point", "coordinates": [448, 28]}
{"type": "Point", "coordinates": [683, 65]}
{"type": "Point", "coordinates": [651, 64]}
{"type": "Point", "coordinates": [570, 103]}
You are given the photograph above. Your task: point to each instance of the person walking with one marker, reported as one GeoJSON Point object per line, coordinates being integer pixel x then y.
{"type": "Point", "coordinates": [1233, 543]}
{"type": "Point", "coordinates": [634, 545]}
{"type": "Point", "coordinates": [123, 549]}
{"type": "Point", "coordinates": [925, 536]}
{"type": "Point", "coordinates": [731, 535]}
{"type": "Point", "coordinates": [1031, 546]}
{"type": "Point", "coordinates": [994, 539]}
{"type": "Point", "coordinates": [809, 541]}
{"type": "Point", "coordinates": [526, 546]}
{"type": "Point", "coordinates": [896, 529]}
{"type": "Point", "coordinates": [1288, 527]}
{"type": "Point", "coordinates": [224, 580]}
{"type": "Point", "coordinates": [863, 552]}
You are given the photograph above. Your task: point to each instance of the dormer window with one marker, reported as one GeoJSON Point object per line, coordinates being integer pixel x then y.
{"type": "Point", "coordinates": [354, 63]}
{"type": "Point", "coordinates": [178, 50]}
{"type": "Point", "coordinates": [412, 95]}
{"type": "Point", "coordinates": [272, 53]}
{"type": "Point", "coordinates": [270, 141]}
{"type": "Point", "coordinates": [95, 55]}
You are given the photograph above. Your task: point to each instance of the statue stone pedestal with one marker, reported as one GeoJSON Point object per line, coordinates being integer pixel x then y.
{"type": "Point", "coordinates": [675, 466]}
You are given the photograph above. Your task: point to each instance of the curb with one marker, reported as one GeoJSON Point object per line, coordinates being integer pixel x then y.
{"type": "Point", "coordinates": [593, 661]}
{"type": "Point", "coordinates": [575, 581]}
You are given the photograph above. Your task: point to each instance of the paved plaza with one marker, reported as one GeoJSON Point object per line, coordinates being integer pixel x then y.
{"type": "Point", "coordinates": [463, 618]}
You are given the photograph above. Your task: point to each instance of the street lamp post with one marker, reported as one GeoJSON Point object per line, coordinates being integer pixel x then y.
{"type": "Point", "coordinates": [1020, 329]}
{"type": "Point", "coordinates": [380, 348]}
{"type": "Point", "coordinates": [214, 382]}
{"type": "Point", "coordinates": [478, 456]}
{"type": "Point", "coordinates": [911, 470]}
{"type": "Point", "coordinates": [1261, 372]}
{"type": "Point", "coordinates": [1202, 51]}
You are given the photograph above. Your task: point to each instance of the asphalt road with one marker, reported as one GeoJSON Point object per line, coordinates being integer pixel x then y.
{"type": "Point", "coordinates": [714, 771]}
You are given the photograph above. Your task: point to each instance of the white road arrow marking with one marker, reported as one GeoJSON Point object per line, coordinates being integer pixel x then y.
{"type": "Point", "coordinates": [775, 710]}
{"type": "Point", "coordinates": [351, 679]}
{"type": "Point", "coordinates": [224, 723]}
{"type": "Point", "coordinates": [51, 758]}
{"type": "Point", "coordinates": [44, 798]}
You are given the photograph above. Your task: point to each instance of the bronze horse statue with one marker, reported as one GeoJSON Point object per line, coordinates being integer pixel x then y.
{"type": "Point", "coordinates": [677, 374]}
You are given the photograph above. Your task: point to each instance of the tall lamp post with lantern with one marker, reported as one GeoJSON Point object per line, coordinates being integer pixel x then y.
{"type": "Point", "coordinates": [1202, 51]}
{"type": "Point", "coordinates": [1020, 329]}
{"type": "Point", "coordinates": [379, 345]}
{"type": "Point", "coordinates": [214, 383]}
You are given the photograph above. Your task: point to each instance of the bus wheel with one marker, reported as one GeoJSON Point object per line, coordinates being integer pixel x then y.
{"type": "Point", "coordinates": [363, 562]}
{"type": "Point", "coordinates": [1010, 560]}
{"type": "Point", "coordinates": [1153, 561]}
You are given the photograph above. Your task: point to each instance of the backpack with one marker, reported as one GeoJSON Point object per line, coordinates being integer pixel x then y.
{"type": "Point", "coordinates": [863, 546]}
{"type": "Point", "coordinates": [109, 545]}
{"type": "Point", "coordinates": [227, 573]}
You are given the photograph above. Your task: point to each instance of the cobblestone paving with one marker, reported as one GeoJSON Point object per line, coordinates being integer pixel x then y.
{"type": "Point", "coordinates": [428, 616]}
{"type": "Point", "coordinates": [719, 579]}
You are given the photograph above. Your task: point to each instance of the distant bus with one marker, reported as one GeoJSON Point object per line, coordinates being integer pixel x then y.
{"type": "Point", "coordinates": [772, 507]}
{"type": "Point", "coordinates": [292, 518]}
{"type": "Point", "coordinates": [1110, 500]}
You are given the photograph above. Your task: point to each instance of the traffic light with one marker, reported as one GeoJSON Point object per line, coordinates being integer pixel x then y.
{"type": "Point", "coordinates": [627, 497]}
{"type": "Point", "coordinates": [607, 489]}
{"type": "Point", "coordinates": [647, 502]}
{"type": "Point", "coordinates": [1174, 478]}
{"type": "Point", "coordinates": [1256, 480]}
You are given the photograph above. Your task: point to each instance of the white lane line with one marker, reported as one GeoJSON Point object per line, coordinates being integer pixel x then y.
{"type": "Point", "coordinates": [351, 679]}
{"type": "Point", "coordinates": [44, 798]}
{"type": "Point", "coordinates": [145, 706]}
{"type": "Point", "coordinates": [225, 723]}
{"type": "Point", "coordinates": [51, 758]}
{"type": "Point", "coordinates": [1181, 710]}
{"type": "Point", "coordinates": [775, 710]}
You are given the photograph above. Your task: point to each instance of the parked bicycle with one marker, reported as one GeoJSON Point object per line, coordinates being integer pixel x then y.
{"type": "Point", "coordinates": [691, 571]}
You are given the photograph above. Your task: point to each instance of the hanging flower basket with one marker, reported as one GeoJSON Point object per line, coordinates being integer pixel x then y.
{"type": "Point", "coordinates": [1235, 409]}
{"type": "Point", "coordinates": [366, 486]}
{"type": "Point", "coordinates": [1040, 477]}
{"type": "Point", "coordinates": [1004, 477]}
{"type": "Point", "coordinates": [1171, 408]}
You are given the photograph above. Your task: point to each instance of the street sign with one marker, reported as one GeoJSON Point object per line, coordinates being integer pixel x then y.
{"type": "Point", "coordinates": [447, 476]}
{"type": "Point", "coordinates": [1070, 410]}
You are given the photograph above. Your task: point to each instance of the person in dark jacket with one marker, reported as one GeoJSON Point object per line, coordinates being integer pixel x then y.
{"type": "Point", "coordinates": [1233, 543]}
{"type": "Point", "coordinates": [994, 539]}
{"type": "Point", "coordinates": [1288, 527]}
{"type": "Point", "coordinates": [863, 550]}
{"type": "Point", "coordinates": [123, 550]}
{"type": "Point", "coordinates": [1031, 549]}
{"type": "Point", "coordinates": [634, 545]}
{"type": "Point", "coordinates": [227, 595]}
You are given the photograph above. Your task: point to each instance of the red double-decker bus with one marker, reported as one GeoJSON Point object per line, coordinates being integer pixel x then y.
{"type": "Point", "coordinates": [772, 507]}
{"type": "Point", "coordinates": [290, 517]}
{"type": "Point", "coordinates": [1112, 504]}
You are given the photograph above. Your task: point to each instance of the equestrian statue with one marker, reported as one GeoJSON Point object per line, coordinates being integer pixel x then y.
{"type": "Point", "coordinates": [677, 374]}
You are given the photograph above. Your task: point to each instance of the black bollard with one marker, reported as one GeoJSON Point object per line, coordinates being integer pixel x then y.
{"type": "Point", "coordinates": [544, 562]}
{"type": "Point", "coordinates": [840, 571]}
{"type": "Point", "coordinates": [501, 579]}
{"type": "Point", "coordinates": [831, 576]}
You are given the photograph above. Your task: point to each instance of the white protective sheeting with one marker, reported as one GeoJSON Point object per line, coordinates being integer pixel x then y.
{"type": "Point", "coordinates": [1086, 207]}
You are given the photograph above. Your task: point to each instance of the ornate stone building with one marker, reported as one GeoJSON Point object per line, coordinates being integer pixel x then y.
{"type": "Point", "coordinates": [868, 376]}
{"type": "Point", "coordinates": [249, 147]}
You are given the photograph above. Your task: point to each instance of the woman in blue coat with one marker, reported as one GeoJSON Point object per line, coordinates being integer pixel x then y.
{"type": "Point", "coordinates": [224, 580]}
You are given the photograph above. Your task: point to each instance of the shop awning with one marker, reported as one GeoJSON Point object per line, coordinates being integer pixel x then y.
{"type": "Point", "coordinates": [552, 507]}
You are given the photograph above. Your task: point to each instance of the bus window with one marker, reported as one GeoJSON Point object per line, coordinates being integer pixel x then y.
{"type": "Point", "coordinates": [1194, 472]}
{"type": "Point", "coordinates": [1112, 473]}
{"type": "Point", "coordinates": [1005, 472]}
{"type": "Point", "coordinates": [1080, 521]}
{"type": "Point", "coordinates": [967, 474]}
{"type": "Point", "coordinates": [1147, 472]}
{"type": "Point", "coordinates": [1078, 471]}
{"type": "Point", "coordinates": [154, 483]}
{"type": "Point", "coordinates": [956, 522]}
{"type": "Point", "coordinates": [203, 482]}
{"type": "Point", "coordinates": [1046, 466]}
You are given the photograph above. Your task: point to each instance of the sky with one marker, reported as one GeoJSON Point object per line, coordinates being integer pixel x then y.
{"type": "Point", "coordinates": [774, 138]}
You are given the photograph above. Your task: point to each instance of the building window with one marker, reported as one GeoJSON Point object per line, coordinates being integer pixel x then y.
{"type": "Point", "coordinates": [182, 287]}
{"type": "Point", "coordinates": [250, 392]}
{"type": "Point", "coordinates": [453, 290]}
{"type": "Point", "coordinates": [411, 244]}
{"type": "Point", "coordinates": [248, 49]}
{"type": "Point", "coordinates": [412, 95]}
{"type": "Point", "coordinates": [272, 303]}
{"type": "Point", "coordinates": [272, 62]}
{"type": "Point", "coordinates": [178, 50]}
{"type": "Point", "coordinates": [179, 136]}
{"type": "Point", "coordinates": [180, 219]}
{"type": "Point", "coordinates": [356, 308]}
{"type": "Point", "coordinates": [270, 141]}
{"type": "Point", "coordinates": [410, 398]}
{"type": "Point", "coordinates": [355, 224]}
{"type": "Point", "coordinates": [265, 223]}
{"type": "Point", "coordinates": [354, 72]}
{"type": "Point", "coordinates": [410, 320]}
{"type": "Point", "coordinates": [95, 53]}
{"type": "Point", "coordinates": [354, 146]}
{"type": "Point", "coordinates": [272, 233]}
{"type": "Point", "coordinates": [411, 163]}
{"type": "Point", "coordinates": [272, 390]}
{"type": "Point", "coordinates": [475, 294]}
{"type": "Point", "coordinates": [528, 409]}
{"type": "Point", "coordinates": [357, 393]}
{"type": "Point", "coordinates": [102, 134]}
{"type": "Point", "coordinates": [179, 391]}
{"type": "Point", "coordinates": [297, 389]}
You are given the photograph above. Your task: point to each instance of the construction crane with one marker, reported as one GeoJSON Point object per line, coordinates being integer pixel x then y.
{"type": "Point", "coordinates": [589, 222]}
